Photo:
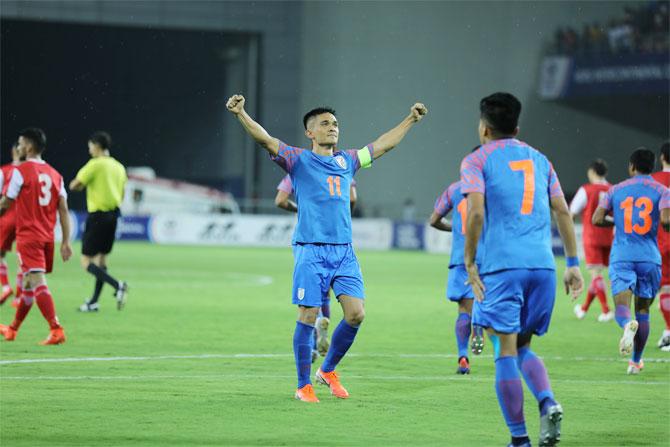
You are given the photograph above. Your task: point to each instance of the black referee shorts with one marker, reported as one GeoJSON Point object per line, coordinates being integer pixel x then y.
{"type": "Point", "coordinates": [99, 233]}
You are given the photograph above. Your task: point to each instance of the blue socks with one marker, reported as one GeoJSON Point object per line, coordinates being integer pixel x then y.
{"type": "Point", "coordinates": [535, 375]}
{"type": "Point", "coordinates": [462, 334]}
{"type": "Point", "coordinates": [343, 337]}
{"type": "Point", "coordinates": [622, 315]}
{"type": "Point", "coordinates": [641, 336]}
{"type": "Point", "coordinates": [302, 350]}
{"type": "Point", "coordinates": [510, 395]}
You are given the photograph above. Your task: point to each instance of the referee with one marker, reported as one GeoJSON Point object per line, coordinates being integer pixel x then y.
{"type": "Point", "coordinates": [104, 179]}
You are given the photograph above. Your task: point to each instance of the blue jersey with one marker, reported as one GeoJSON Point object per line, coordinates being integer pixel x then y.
{"type": "Point", "coordinates": [636, 204]}
{"type": "Point", "coordinates": [452, 198]}
{"type": "Point", "coordinates": [517, 182]}
{"type": "Point", "coordinates": [321, 186]}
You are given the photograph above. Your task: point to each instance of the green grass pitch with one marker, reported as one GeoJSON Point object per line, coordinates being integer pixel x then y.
{"type": "Point", "coordinates": [182, 378]}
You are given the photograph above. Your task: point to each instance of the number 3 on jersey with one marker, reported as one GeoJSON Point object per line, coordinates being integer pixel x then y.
{"type": "Point", "coordinates": [645, 214]}
{"type": "Point", "coordinates": [45, 189]}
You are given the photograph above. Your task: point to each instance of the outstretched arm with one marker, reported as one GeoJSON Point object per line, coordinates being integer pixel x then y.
{"type": "Point", "coordinates": [393, 137]}
{"type": "Point", "coordinates": [473, 230]}
{"type": "Point", "coordinates": [574, 283]}
{"type": "Point", "coordinates": [235, 105]}
{"type": "Point", "coordinates": [64, 215]}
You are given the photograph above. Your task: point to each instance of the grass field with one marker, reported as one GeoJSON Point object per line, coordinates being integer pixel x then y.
{"type": "Point", "coordinates": [172, 368]}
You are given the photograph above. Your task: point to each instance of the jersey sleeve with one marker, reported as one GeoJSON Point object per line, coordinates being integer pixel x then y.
{"type": "Point", "coordinates": [362, 157]}
{"type": "Point", "coordinates": [605, 201]}
{"type": "Point", "coordinates": [664, 203]}
{"type": "Point", "coordinates": [287, 156]}
{"type": "Point", "coordinates": [443, 203]}
{"type": "Point", "coordinates": [472, 173]}
{"type": "Point", "coordinates": [15, 184]}
{"type": "Point", "coordinates": [62, 192]}
{"type": "Point", "coordinates": [285, 185]}
{"type": "Point", "coordinates": [86, 173]}
{"type": "Point", "coordinates": [555, 189]}
{"type": "Point", "coordinates": [579, 201]}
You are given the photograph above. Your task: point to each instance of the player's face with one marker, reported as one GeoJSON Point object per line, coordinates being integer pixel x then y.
{"type": "Point", "coordinates": [24, 145]}
{"type": "Point", "coordinates": [591, 174]}
{"type": "Point", "coordinates": [323, 130]}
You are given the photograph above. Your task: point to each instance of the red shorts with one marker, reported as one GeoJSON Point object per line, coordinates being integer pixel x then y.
{"type": "Point", "coordinates": [665, 268]}
{"type": "Point", "coordinates": [597, 254]}
{"type": "Point", "coordinates": [7, 232]}
{"type": "Point", "coordinates": [35, 256]}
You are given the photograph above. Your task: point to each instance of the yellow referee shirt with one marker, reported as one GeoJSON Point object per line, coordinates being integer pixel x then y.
{"type": "Point", "coordinates": [105, 179]}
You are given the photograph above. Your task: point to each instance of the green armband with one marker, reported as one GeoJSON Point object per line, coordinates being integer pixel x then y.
{"type": "Point", "coordinates": [364, 157]}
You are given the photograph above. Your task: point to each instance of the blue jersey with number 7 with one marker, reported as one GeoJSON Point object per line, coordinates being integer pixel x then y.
{"type": "Point", "coordinates": [321, 186]}
{"type": "Point", "coordinates": [517, 182]}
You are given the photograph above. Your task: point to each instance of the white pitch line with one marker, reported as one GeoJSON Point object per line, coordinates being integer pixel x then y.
{"type": "Point", "coordinates": [348, 377]}
{"type": "Point", "coordinates": [288, 355]}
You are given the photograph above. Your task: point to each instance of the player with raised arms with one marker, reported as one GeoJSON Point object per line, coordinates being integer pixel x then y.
{"type": "Point", "coordinates": [639, 204]}
{"type": "Point", "coordinates": [457, 290]}
{"type": "Point", "coordinates": [283, 201]}
{"type": "Point", "coordinates": [322, 249]}
{"type": "Point", "coordinates": [512, 189]}
{"type": "Point", "coordinates": [38, 192]}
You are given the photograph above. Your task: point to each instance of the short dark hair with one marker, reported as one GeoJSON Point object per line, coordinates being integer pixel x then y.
{"type": "Point", "coordinates": [599, 166]}
{"type": "Point", "coordinates": [102, 139]}
{"type": "Point", "coordinates": [475, 148]}
{"type": "Point", "coordinates": [36, 137]}
{"type": "Point", "coordinates": [315, 112]}
{"type": "Point", "coordinates": [501, 112]}
{"type": "Point", "coordinates": [665, 151]}
{"type": "Point", "coordinates": [643, 160]}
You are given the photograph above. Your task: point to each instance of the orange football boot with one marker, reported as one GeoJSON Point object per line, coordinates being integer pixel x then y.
{"type": "Point", "coordinates": [7, 332]}
{"type": "Point", "coordinates": [56, 337]}
{"type": "Point", "coordinates": [332, 380]}
{"type": "Point", "coordinates": [306, 394]}
{"type": "Point", "coordinates": [16, 302]}
{"type": "Point", "coordinates": [6, 293]}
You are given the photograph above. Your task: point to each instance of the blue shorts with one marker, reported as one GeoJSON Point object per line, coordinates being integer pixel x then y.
{"type": "Point", "coordinates": [318, 267]}
{"type": "Point", "coordinates": [517, 301]}
{"type": "Point", "coordinates": [642, 278]}
{"type": "Point", "coordinates": [456, 287]}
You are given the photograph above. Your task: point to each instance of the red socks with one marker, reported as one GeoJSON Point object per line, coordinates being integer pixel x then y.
{"type": "Point", "coordinates": [19, 284]}
{"type": "Point", "coordinates": [46, 304]}
{"type": "Point", "coordinates": [602, 294]}
{"type": "Point", "coordinates": [665, 308]}
{"type": "Point", "coordinates": [4, 280]}
{"type": "Point", "coordinates": [24, 307]}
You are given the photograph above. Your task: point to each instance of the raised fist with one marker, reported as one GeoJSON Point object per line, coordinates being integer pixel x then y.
{"type": "Point", "coordinates": [235, 104]}
{"type": "Point", "coordinates": [418, 111]}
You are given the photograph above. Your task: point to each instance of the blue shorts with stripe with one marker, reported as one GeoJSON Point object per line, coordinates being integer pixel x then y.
{"type": "Point", "coordinates": [318, 267]}
{"type": "Point", "coordinates": [517, 301]}
{"type": "Point", "coordinates": [642, 278]}
{"type": "Point", "coordinates": [457, 289]}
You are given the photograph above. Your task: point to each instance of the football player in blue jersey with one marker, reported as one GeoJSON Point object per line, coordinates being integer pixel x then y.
{"type": "Point", "coordinates": [512, 189]}
{"type": "Point", "coordinates": [322, 249]}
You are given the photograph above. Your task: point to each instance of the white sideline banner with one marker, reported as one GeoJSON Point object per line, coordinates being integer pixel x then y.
{"type": "Point", "coordinates": [255, 230]}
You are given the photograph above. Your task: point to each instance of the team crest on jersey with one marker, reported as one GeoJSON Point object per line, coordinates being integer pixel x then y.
{"type": "Point", "coordinates": [342, 163]}
{"type": "Point", "coordinates": [301, 294]}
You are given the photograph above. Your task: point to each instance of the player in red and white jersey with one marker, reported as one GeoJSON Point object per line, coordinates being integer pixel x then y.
{"type": "Point", "coordinates": [663, 177]}
{"type": "Point", "coordinates": [597, 240]}
{"type": "Point", "coordinates": [38, 194]}
{"type": "Point", "coordinates": [8, 229]}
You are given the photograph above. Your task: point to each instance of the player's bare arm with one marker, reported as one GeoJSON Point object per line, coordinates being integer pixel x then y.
{"type": "Point", "coordinates": [5, 203]}
{"type": "Point", "coordinates": [473, 231]}
{"type": "Point", "coordinates": [76, 185]}
{"type": "Point", "coordinates": [601, 219]}
{"type": "Point", "coordinates": [235, 105]}
{"type": "Point", "coordinates": [572, 279]}
{"type": "Point", "coordinates": [64, 216]}
{"type": "Point", "coordinates": [283, 201]}
{"type": "Point", "coordinates": [439, 222]}
{"type": "Point", "coordinates": [393, 137]}
{"type": "Point", "coordinates": [665, 219]}
{"type": "Point", "coordinates": [353, 198]}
